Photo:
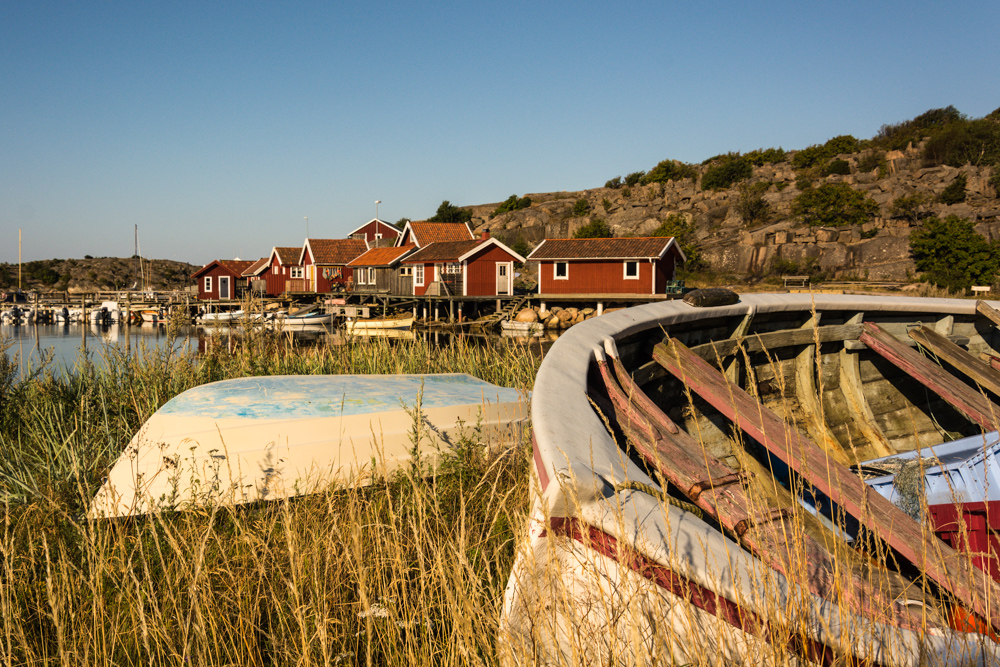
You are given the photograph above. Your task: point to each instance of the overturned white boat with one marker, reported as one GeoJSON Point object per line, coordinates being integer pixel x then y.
{"type": "Point", "coordinates": [262, 438]}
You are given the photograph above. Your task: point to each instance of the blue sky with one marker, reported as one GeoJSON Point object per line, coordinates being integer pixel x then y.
{"type": "Point", "coordinates": [217, 127]}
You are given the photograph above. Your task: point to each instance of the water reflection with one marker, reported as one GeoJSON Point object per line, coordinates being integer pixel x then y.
{"type": "Point", "coordinates": [62, 346]}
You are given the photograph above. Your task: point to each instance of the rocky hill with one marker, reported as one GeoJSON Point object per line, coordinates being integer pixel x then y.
{"type": "Point", "coordinates": [94, 274]}
{"type": "Point", "coordinates": [754, 227]}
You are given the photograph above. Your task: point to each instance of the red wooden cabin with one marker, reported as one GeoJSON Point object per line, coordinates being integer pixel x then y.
{"type": "Point", "coordinates": [222, 279]}
{"type": "Point", "coordinates": [606, 266]}
{"type": "Point", "coordinates": [324, 263]}
{"type": "Point", "coordinates": [255, 277]}
{"type": "Point", "coordinates": [378, 233]}
{"type": "Point", "coordinates": [483, 267]}
{"type": "Point", "coordinates": [422, 234]}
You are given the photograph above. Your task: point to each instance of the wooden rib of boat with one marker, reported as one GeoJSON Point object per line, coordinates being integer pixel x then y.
{"type": "Point", "coordinates": [699, 488]}
{"type": "Point", "coordinates": [379, 324]}
{"type": "Point", "coordinates": [263, 438]}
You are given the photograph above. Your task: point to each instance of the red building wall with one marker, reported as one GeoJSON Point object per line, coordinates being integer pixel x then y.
{"type": "Point", "coordinates": [482, 271]}
{"type": "Point", "coordinates": [276, 275]}
{"type": "Point", "coordinates": [215, 273]}
{"type": "Point", "coordinates": [603, 277]}
{"type": "Point", "coordinates": [428, 278]}
{"type": "Point", "coordinates": [324, 285]}
{"type": "Point", "coordinates": [373, 228]}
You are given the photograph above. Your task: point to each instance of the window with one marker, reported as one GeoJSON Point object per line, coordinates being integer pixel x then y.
{"type": "Point", "coordinates": [631, 270]}
{"type": "Point", "coordinates": [453, 267]}
{"type": "Point", "coordinates": [418, 275]}
{"type": "Point", "coordinates": [371, 275]}
{"type": "Point", "coordinates": [560, 271]}
{"type": "Point", "coordinates": [208, 283]}
{"type": "Point", "coordinates": [378, 236]}
{"type": "Point", "coordinates": [296, 272]}
{"type": "Point", "coordinates": [405, 271]}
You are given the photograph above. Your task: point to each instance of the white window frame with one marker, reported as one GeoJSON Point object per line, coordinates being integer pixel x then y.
{"type": "Point", "coordinates": [371, 275]}
{"type": "Point", "coordinates": [405, 271]}
{"type": "Point", "coordinates": [418, 275]}
{"type": "Point", "coordinates": [378, 236]}
{"type": "Point", "coordinates": [555, 271]}
{"type": "Point", "coordinates": [453, 268]}
{"type": "Point", "coordinates": [297, 272]}
{"type": "Point", "coordinates": [625, 274]}
{"type": "Point", "coordinates": [208, 283]}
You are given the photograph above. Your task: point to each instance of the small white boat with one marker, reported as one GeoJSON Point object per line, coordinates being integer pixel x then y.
{"type": "Point", "coordinates": [387, 324]}
{"type": "Point", "coordinates": [510, 327]}
{"type": "Point", "coordinates": [263, 438]}
{"type": "Point", "coordinates": [313, 318]}
{"type": "Point", "coordinates": [152, 316]}
{"type": "Point", "coordinates": [227, 317]}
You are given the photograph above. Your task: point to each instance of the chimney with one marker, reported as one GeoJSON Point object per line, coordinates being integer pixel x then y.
{"type": "Point", "coordinates": [486, 235]}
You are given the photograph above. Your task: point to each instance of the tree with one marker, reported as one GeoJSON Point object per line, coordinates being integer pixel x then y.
{"type": "Point", "coordinates": [677, 226]}
{"type": "Point", "coordinates": [834, 205]}
{"type": "Point", "coordinates": [727, 170]}
{"type": "Point", "coordinates": [751, 205]}
{"type": "Point", "coordinates": [951, 254]}
{"type": "Point", "coordinates": [448, 213]}
{"type": "Point", "coordinates": [598, 229]}
{"type": "Point", "coordinates": [401, 223]}
{"type": "Point", "coordinates": [954, 193]}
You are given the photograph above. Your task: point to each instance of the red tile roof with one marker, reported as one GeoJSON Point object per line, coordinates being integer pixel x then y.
{"type": "Point", "coordinates": [616, 248]}
{"type": "Point", "coordinates": [381, 257]}
{"type": "Point", "coordinates": [443, 252]}
{"type": "Point", "coordinates": [288, 255]}
{"type": "Point", "coordinates": [425, 233]}
{"type": "Point", "coordinates": [336, 251]}
{"type": "Point", "coordinates": [257, 267]}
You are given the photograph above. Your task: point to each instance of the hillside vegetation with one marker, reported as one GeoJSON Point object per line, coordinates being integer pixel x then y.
{"type": "Point", "coordinates": [93, 274]}
{"type": "Point", "coordinates": [843, 209]}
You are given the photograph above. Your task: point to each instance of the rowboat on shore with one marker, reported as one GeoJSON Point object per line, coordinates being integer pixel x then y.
{"type": "Point", "coordinates": [314, 318]}
{"type": "Point", "coordinates": [701, 495]}
{"type": "Point", "coordinates": [379, 324]}
{"type": "Point", "coordinates": [266, 438]}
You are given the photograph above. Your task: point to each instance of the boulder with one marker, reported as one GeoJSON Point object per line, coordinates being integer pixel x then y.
{"type": "Point", "coordinates": [711, 297]}
{"type": "Point", "coordinates": [526, 315]}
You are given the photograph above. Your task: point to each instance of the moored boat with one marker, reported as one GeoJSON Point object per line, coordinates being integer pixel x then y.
{"type": "Point", "coordinates": [379, 324]}
{"type": "Point", "coordinates": [698, 493]}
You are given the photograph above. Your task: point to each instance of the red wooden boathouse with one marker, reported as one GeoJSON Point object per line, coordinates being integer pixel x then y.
{"type": "Point", "coordinates": [483, 267]}
{"type": "Point", "coordinates": [421, 234]}
{"type": "Point", "coordinates": [377, 233]}
{"type": "Point", "coordinates": [222, 279]}
{"type": "Point", "coordinates": [324, 263]}
{"type": "Point", "coordinates": [606, 266]}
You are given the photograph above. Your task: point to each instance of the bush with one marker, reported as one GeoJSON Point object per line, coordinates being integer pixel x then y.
{"type": "Point", "coordinates": [581, 207]}
{"type": "Point", "coordinates": [899, 135]}
{"type": "Point", "coordinates": [995, 181]}
{"type": "Point", "coordinates": [88, 257]}
{"type": "Point", "coordinates": [669, 170]}
{"type": "Point", "coordinates": [954, 193]}
{"type": "Point", "coordinates": [817, 154]}
{"type": "Point", "coordinates": [975, 142]}
{"type": "Point", "coordinates": [597, 229]}
{"type": "Point", "coordinates": [520, 246]}
{"type": "Point", "coordinates": [446, 212]}
{"type": "Point", "coordinates": [512, 203]}
{"type": "Point", "coordinates": [871, 161]}
{"type": "Point", "coordinates": [762, 156]}
{"type": "Point", "coordinates": [626, 193]}
{"type": "Point", "coordinates": [606, 204]}
{"type": "Point", "coordinates": [909, 206]}
{"type": "Point", "coordinates": [837, 167]}
{"type": "Point", "coordinates": [634, 178]}
{"type": "Point", "coordinates": [751, 205]}
{"type": "Point", "coordinates": [951, 254]}
{"type": "Point", "coordinates": [614, 183]}
{"type": "Point", "coordinates": [677, 226]}
{"type": "Point", "coordinates": [728, 170]}
{"type": "Point", "coordinates": [835, 205]}
{"type": "Point", "coordinates": [803, 183]}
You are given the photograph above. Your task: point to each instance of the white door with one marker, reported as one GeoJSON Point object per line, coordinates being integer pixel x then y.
{"type": "Point", "coordinates": [503, 278]}
{"type": "Point", "coordinates": [224, 287]}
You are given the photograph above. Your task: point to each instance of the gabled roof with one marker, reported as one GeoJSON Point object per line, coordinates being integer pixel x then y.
{"type": "Point", "coordinates": [382, 257]}
{"type": "Point", "coordinates": [236, 266]}
{"type": "Point", "coordinates": [333, 251]}
{"type": "Point", "coordinates": [382, 224]}
{"type": "Point", "coordinates": [286, 255]}
{"type": "Point", "coordinates": [615, 248]}
{"type": "Point", "coordinates": [457, 251]}
{"type": "Point", "coordinates": [257, 267]}
{"type": "Point", "coordinates": [424, 233]}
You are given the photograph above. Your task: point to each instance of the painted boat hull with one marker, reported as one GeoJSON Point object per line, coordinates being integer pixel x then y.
{"type": "Point", "coordinates": [610, 573]}
{"type": "Point", "coordinates": [265, 438]}
{"type": "Point", "coordinates": [400, 323]}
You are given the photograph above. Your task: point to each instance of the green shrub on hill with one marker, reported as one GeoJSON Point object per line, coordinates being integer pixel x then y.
{"type": "Point", "coordinates": [975, 142]}
{"type": "Point", "coordinates": [512, 203]}
{"type": "Point", "coordinates": [817, 154]}
{"type": "Point", "coordinates": [751, 205]}
{"type": "Point", "coordinates": [954, 193]}
{"type": "Point", "coordinates": [677, 226]}
{"type": "Point", "coordinates": [951, 254]}
{"type": "Point", "coordinates": [669, 170]}
{"type": "Point", "coordinates": [446, 212]}
{"type": "Point", "coordinates": [995, 181]}
{"type": "Point", "coordinates": [597, 229]}
{"type": "Point", "coordinates": [899, 135]}
{"type": "Point", "coordinates": [634, 178]}
{"type": "Point", "coordinates": [726, 171]}
{"type": "Point", "coordinates": [614, 183]}
{"type": "Point", "coordinates": [871, 161]}
{"type": "Point", "coordinates": [581, 207]}
{"type": "Point", "coordinates": [762, 156]}
{"type": "Point", "coordinates": [837, 167]}
{"type": "Point", "coordinates": [833, 205]}
{"type": "Point", "coordinates": [909, 206]}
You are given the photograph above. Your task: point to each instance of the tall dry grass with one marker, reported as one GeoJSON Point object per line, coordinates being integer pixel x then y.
{"type": "Point", "coordinates": [409, 570]}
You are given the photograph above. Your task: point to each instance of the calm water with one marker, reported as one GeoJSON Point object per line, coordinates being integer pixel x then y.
{"type": "Point", "coordinates": [65, 343]}
{"type": "Point", "coordinates": [30, 343]}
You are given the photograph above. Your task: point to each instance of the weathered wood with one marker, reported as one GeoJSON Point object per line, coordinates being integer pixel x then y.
{"type": "Point", "coordinates": [718, 490]}
{"type": "Point", "coordinates": [936, 559]}
{"type": "Point", "coordinates": [808, 396]}
{"type": "Point", "coordinates": [852, 389]}
{"type": "Point", "coordinates": [982, 374]}
{"type": "Point", "coordinates": [955, 392]}
{"type": "Point", "coordinates": [989, 312]}
{"type": "Point", "coordinates": [777, 339]}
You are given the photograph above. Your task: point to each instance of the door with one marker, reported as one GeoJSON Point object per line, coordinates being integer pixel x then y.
{"type": "Point", "coordinates": [224, 287]}
{"type": "Point", "coordinates": [503, 278]}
